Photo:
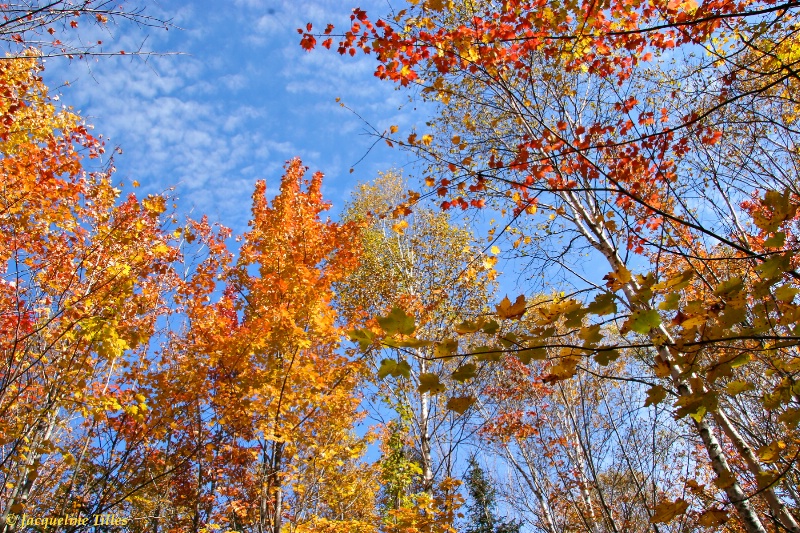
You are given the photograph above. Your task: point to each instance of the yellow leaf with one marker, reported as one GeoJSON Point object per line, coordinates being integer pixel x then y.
{"type": "Point", "coordinates": [506, 310]}
{"type": "Point", "coordinates": [155, 204]}
{"type": "Point", "coordinates": [666, 511]}
{"type": "Point", "coordinates": [400, 227]}
{"type": "Point", "coordinates": [430, 383]}
{"type": "Point", "coordinates": [438, 5]}
{"type": "Point", "coordinates": [460, 405]}
{"type": "Point", "coordinates": [713, 517]}
{"type": "Point", "coordinates": [771, 452]}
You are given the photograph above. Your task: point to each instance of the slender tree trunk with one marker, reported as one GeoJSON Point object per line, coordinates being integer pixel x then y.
{"type": "Point", "coordinates": [754, 465]}
{"type": "Point", "coordinates": [424, 435]}
{"type": "Point", "coordinates": [531, 478]}
{"type": "Point", "coordinates": [27, 470]}
{"type": "Point", "coordinates": [271, 497]}
{"type": "Point", "coordinates": [594, 233]}
{"type": "Point", "coordinates": [586, 496]}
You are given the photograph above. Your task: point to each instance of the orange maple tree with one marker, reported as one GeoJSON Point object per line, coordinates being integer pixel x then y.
{"type": "Point", "coordinates": [268, 399]}
{"type": "Point", "coordinates": [82, 283]}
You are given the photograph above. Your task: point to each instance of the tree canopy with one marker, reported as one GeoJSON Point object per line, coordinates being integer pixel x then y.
{"type": "Point", "coordinates": [636, 162]}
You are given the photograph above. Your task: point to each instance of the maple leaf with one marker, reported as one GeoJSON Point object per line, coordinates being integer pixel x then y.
{"type": "Point", "coordinates": [464, 372]}
{"type": "Point", "coordinates": [460, 404]}
{"type": "Point", "coordinates": [505, 309]}
{"type": "Point", "coordinates": [713, 517]}
{"type": "Point", "coordinates": [397, 321]}
{"type": "Point", "coordinates": [430, 383]}
{"type": "Point", "coordinates": [666, 511]}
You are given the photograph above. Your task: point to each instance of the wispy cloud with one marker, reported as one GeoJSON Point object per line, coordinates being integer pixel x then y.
{"type": "Point", "coordinates": [241, 100]}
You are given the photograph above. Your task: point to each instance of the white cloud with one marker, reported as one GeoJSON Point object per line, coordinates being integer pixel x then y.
{"type": "Point", "coordinates": [228, 111]}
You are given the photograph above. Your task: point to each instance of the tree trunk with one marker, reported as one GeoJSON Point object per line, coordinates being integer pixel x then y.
{"type": "Point", "coordinates": [424, 435]}
{"type": "Point", "coordinates": [594, 233]}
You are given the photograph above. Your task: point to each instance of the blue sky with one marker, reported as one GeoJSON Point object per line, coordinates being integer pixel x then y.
{"type": "Point", "coordinates": [238, 99]}
{"type": "Point", "coordinates": [233, 97]}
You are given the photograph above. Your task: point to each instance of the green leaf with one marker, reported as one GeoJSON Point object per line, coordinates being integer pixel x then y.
{"type": "Point", "coordinates": [603, 304]}
{"type": "Point", "coordinates": [775, 266]}
{"type": "Point", "coordinates": [740, 360]}
{"type": "Point", "coordinates": [491, 327]}
{"type": "Point", "coordinates": [643, 321]}
{"type": "Point", "coordinates": [736, 387]}
{"type": "Point", "coordinates": [729, 288]}
{"type": "Point", "coordinates": [509, 340]}
{"type": "Point", "coordinates": [786, 293]}
{"type": "Point", "coordinates": [430, 383]}
{"type": "Point", "coordinates": [464, 372]}
{"type": "Point", "coordinates": [390, 367]}
{"type": "Point", "coordinates": [574, 318]}
{"type": "Point", "coordinates": [532, 354]}
{"type": "Point", "coordinates": [403, 370]}
{"type": "Point", "coordinates": [731, 316]}
{"type": "Point", "coordinates": [590, 334]}
{"type": "Point", "coordinates": [469, 327]}
{"type": "Point", "coordinates": [790, 417]}
{"type": "Point", "coordinates": [460, 404]}
{"type": "Point", "coordinates": [387, 367]}
{"type": "Point", "coordinates": [655, 395]}
{"type": "Point", "coordinates": [397, 321]}
{"type": "Point", "coordinates": [445, 348]}
{"type": "Point", "coordinates": [487, 353]}
{"type": "Point", "coordinates": [605, 357]}
{"type": "Point", "coordinates": [671, 301]}
{"type": "Point", "coordinates": [776, 241]}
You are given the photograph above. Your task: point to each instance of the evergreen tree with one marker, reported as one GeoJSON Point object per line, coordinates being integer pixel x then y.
{"type": "Point", "coordinates": [481, 511]}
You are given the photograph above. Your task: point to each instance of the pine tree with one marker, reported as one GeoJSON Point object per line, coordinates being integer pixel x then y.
{"type": "Point", "coordinates": [481, 517]}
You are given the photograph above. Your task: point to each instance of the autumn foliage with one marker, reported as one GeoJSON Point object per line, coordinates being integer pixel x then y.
{"type": "Point", "coordinates": [84, 280]}
{"type": "Point", "coordinates": [657, 135]}
{"type": "Point", "coordinates": [240, 413]}
{"type": "Point", "coordinates": [275, 401]}
{"type": "Point", "coordinates": [637, 160]}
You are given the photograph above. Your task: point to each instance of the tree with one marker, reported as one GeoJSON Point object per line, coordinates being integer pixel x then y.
{"type": "Point", "coordinates": [51, 27]}
{"type": "Point", "coordinates": [583, 455]}
{"type": "Point", "coordinates": [274, 402]}
{"type": "Point", "coordinates": [423, 264]}
{"type": "Point", "coordinates": [219, 397]}
{"type": "Point", "coordinates": [84, 282]}
{"type": "Point", "coordinates": [664, 166]}
{"type": "Point", "coordinates": [481, 512]}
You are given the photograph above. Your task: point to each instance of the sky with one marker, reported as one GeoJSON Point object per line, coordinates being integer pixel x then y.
{"type": "Point", "coordinates": [231, 97]}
